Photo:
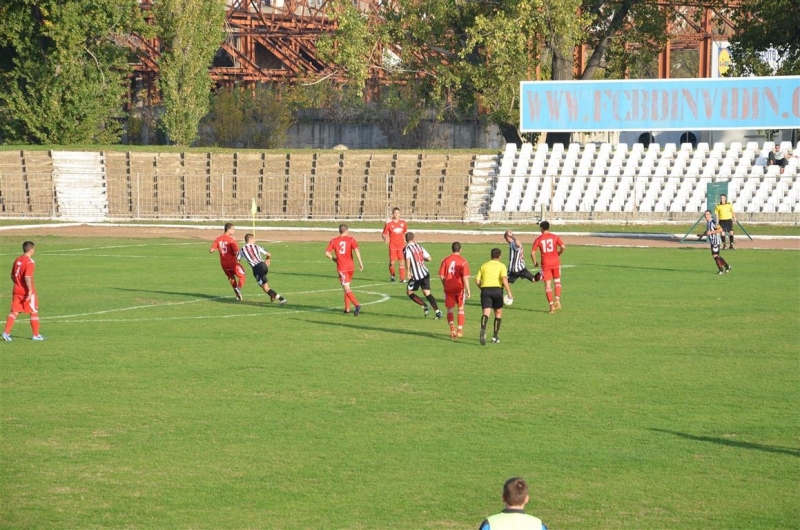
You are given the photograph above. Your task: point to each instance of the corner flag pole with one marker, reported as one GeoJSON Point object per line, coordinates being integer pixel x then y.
{"type": "Point", "coordinates": [253, 210]}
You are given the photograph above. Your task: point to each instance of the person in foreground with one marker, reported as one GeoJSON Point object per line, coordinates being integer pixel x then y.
{"type": "Point", "coordinates": [23, 297]}
{"type": "Point", "coordinates": [713, 231]}
{"type": "Point", "coordinates": [340, 250]}
{"type": "Point", "coordinates": [252, 253]}
{"type": "Point", "coordinates": [454, 273]}
{"type": "Point", "coordinates": [513, 516]}
{"type": "Point", "coordinates": [550, 246]}
{"type": "Point", "coordinates": [492, 277]}
{"type": "Point", "coordinates": [228, 259]}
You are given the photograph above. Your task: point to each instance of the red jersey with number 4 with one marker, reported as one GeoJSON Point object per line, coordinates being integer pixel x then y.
{"type": "Point", "coordinates": [342, 248]}
{"type": "Point", "coordinates": [396, 230]}
{"type": "Point", "coordinates": [23, 266]}
{"type": "Point", "coordinates": [548, 246]}
{"type": "Point", "coordinates": [453, 269]}
{"type": "Point", "coordinates": [228, 250]}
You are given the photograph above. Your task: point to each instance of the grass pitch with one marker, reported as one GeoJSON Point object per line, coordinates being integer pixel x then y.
{"type": "Point", "coordinates": [662, 396]}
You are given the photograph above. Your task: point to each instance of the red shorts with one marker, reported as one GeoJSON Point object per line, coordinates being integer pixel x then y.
{"type": "Point", "coordinates": [20, 305]}
{"type": "Point", "coordinates": [454, 300]}
{"type": "Point", "coordinates": [550, 274]}
{"type": "Point", "coordinates": [237, 270]}
{"type": "Point", "coordinates": [345, 276]}
{"type": "Point", "coordinates": [396, 255]}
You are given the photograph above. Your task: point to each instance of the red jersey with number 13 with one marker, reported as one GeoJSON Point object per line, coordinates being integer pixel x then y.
{"type": "Point", "coordinates": [342, 247]}
{"type": "Point", "coordinates": [228, 251]}
{"type": "Point", "coordinates": [548, 245]}
{"type": "Point", "coordinates": [453, 269]}
{"type": "Point", "coordinates": [23, 266]}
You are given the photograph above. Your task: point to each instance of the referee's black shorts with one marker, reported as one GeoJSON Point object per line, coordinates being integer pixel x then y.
{"type": "Point", "coordinates": [726, 225]}
{"type": "Point", "coordinates": [492, 297]}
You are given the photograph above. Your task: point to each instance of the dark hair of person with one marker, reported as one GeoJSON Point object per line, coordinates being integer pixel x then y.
{"type": "Point", "coordinates": [342, 229]}
{"type": "Point", "coordinates": [228, 226]}
{"type": "Point", "coordinates": [395, 209]}
{"type": "Point", "coordinates": [409, 237]}
{"type": "Point", "coordinates": [514, 491]}
{"type": "Point", "coordinates": [26, 246]}
{"type": "Point", "coordinates": [544, 225]}
{"type": "Point", "coordinates": [456, 246]}
{"type": "Point", "coordinates": [248, 238]}
{"type": "Point", "coordinates": [495, 253]}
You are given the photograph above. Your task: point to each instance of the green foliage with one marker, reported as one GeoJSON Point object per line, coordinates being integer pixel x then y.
{"type": "Point", "coordinates": [240, 118]}
{"type": "Point", "coordinates": [661, 396]}
{"type": "Point", "coordinates": [62, 76]}
{"type": "Point", "coordinates": [764, 25]}
{"type": "Point", "coordinates": [191, 32]}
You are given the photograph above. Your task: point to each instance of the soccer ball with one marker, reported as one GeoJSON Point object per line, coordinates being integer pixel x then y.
{"type": "Point", "coordinates": [507, 300]}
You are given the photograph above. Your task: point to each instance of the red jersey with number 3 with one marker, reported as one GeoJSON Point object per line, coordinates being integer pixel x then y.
{"type": "Point", "coordinates": [548, 246]}
{"type": "Point", "coordinates": [228, 250]}
{"type": "Point", "coordinates": [453, 269]}
{"type": "Point", "coordinates": [23, 266]}
{"type": "Point", "coordinates": [342, 248]}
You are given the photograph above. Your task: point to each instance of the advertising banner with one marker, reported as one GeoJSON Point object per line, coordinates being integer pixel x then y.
{"type": "Point", "coordinates": [662, 104]}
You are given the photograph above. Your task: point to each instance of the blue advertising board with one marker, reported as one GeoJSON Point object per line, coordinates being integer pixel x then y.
{"type": "Point", "coordinates": [661, 104]}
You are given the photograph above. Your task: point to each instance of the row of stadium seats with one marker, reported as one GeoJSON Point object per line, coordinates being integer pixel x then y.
{"type": "Point", "coordinates": [572, 182]}
{"type": "Point", "coordinates": [618, 178]}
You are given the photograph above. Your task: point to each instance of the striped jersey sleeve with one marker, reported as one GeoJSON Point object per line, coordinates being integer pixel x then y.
{"type": "Point", "coordinates": [416, 256]}
{"type": "Point", "coordinates": [252, 253]}
{"type": "Point", "coordinates": [516, 259]}
{"type": "Point", "coordinates": [713, 239]}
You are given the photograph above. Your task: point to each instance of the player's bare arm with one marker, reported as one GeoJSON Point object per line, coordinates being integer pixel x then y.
{"type": "Point", "coordinates": [360, 264]}
{"type": "Point", "coordinates": [508, 289]}
{"type": "Point", "coordinates": [29, 285]}
{"type": "Point", "coordinates": [465, 279]}
{"type": "Point", "coordinates": [330, 256]}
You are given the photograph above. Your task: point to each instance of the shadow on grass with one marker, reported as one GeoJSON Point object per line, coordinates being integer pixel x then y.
{"type": "Point", "coordinates": [680, 270]}
{"type": "Point", "coordinates": [732, 443]}
{"type": "Point", "coordinates": [256, 300]}
{"type": "Point", "coordinates": [415, 333]}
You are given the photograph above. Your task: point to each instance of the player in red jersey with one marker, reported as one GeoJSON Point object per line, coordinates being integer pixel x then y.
{"type": "Point", "coordinates": [454, 273]}
{"type": "Point", "coordinates": [550, 246]}
{"type": "Point", "coordinates": [340, 250]}
{"type": "Point", "coordinates": [23, 298]}
{"type": "Point", "coordinates": [395, 230]}
{"type": "Point", "coordinates": [229, 259]}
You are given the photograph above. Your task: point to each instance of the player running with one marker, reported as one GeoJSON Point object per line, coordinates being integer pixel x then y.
{"type": "Point", "coordinates": [228, 258]}
{"type": "Point", "coordinates": [454, 273]}
{"type": "Point", "coordinates": [418, 275]}
{"type": "Point", "coordinates": [340, 250]}
{"type": "Point", "coordinates": [550, 246]}
{"type": "Point", "coordinates": [252, 253]}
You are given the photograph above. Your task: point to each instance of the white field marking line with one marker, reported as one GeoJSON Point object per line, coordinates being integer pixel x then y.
{"type": "Point", "coordinates": [383, 298]}
{"type": "Point", "coordinates": [168, 304]}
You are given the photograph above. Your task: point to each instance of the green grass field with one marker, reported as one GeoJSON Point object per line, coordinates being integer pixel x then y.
{"type": "Point", "coordinates": [662, 396]}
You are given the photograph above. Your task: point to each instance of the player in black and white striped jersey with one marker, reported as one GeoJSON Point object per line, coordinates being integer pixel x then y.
{"type": "Point", "coordinates": [516, 260]}
{"type": "Point", "coordinates": [713, 231]}
{"type": "Point", "coordinates": [418, 275]}
{"type": "Point", "coordinates": [253, 254]}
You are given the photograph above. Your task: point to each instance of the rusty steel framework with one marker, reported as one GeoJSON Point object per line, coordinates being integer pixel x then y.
{"type": "Point", "coordinates": [274, 41]}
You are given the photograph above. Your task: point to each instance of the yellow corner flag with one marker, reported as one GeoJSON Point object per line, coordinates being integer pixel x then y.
{"type": "Point", "coordinates": [253, 210]}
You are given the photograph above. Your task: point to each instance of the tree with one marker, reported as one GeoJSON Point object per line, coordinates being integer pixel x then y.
{"type": "Point", "coordinates": [763, 26]}
{"type": "Point", "coordinates": [62, 77]}
{"type": "Point", "coordinates": [191, 31]}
